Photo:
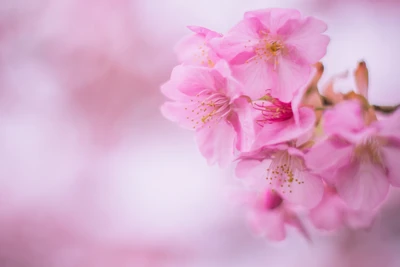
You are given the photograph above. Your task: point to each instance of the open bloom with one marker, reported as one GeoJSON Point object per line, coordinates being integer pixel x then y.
{"type": "Point", "coordinates": [282, 169]}
{"type": "Point", "coordinates": [268, 214]}
{"type": "Point", "coordinates": [273, 49]}
{"type": "Point", "coordinates": [279, 122]}
{"type": "Point", "coordinates": [194, 49]}
{"type": "Point", "coordinates": [360, 160]}
{"type": "Point", "coordinates": [208, 101]}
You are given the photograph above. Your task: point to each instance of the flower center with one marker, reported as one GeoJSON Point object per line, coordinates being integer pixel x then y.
{"type": "Point", "coordinates": [272, 111]}
{"type": "Point", "coordinates": [369, 151]}
{"type": "Point", "coordinates": [208, 106]}
{"type": "Point", "coordinates": [285, 172]}
{"type": "Point", "coordinates": [268, 49]}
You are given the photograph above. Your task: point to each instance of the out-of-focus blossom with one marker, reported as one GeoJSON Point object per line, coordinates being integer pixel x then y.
{"type": "Point", "coordinates": [359, 160]}
{"type": "Point", "coordinates": [206, 100]}
{"type": "Point", "coordinates": [268, 214]}
{"type": "Point", "coordinates": [273, 49]}
{"type": "Point", "coordinates": [195, 50]}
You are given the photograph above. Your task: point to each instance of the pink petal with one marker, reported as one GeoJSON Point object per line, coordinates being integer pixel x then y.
{"type": "Point", "coordinates": [216, 144]}
{"type": "Point", "coordinates": [256, 77]}
{"type": "Point", "coordinates": [241, 38]}
{"type": "Point", "coordinates": [306, 37]}
{"type": "Point", "coordinates": [298, 96]}
{"type": "Point", "coordinates": [194, 49]}
{"type": "Point", "coordinates": [338, 121]}
{"type": "Point", "coordinates": [194, 79]}
{"type": "Point", "coordinates": [361, 185]}
{"type": "Point", "coordinates": [241, 120]}
{"type": "Point", "coordinates": [204, 32]}
{"type": "Point", "coordinates": [308, 193]}
{"type": "Point", "coordinates": [327, 156]}
{"type": "Point", "coordinates": [255, 172]}
{"type": "Point", "coordinates": [190, 80]}
{"type": "Point", "coordinates": [274, 18]}
{"type": "Point", "coordinates": [284, 131]}
{"type": "Point", "coordinates": [180, 112]}
{"type": "Point", "coordinates": [329, 213]}
{"type": "Point", "coordinates": [391, 156]}
{"type": "Point", "coordinates": [190, 50]}
{"type": "Point", "coordinates": [292, 76]}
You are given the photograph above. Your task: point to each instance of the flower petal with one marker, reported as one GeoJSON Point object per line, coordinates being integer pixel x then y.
{"type": "Point", "coordinates": [362, 186]}
{"type": "Point", "coordinates": [216, 144]}
{"type": "Point", "coordinates": [274, 18]}
{"type": "Point", "coordinates": [255, 172]}
{"type": "Point", "coordinates": [307, 191]}
{"type": "Point", "coordinates": [329, 213]}
{"type": "Point", "coordinates": [284, 131]}
{"type": "Point", "coordinates": [306, 37]}
{"type": "Point", "coordinates": [241, 38]}
{"type": "Point", "coordinates": [256, 77]}
{"type": "Point", "coordinates": [327, 156]}
{"type": "Point", "coordinates": [292, 76]}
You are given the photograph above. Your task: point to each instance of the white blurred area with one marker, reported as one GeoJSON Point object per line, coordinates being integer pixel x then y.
{"type": "Point", "coordinates": [91, 174]}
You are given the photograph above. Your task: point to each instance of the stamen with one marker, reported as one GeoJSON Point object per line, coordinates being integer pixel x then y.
{"type": "Point", "coordinates": [285, 172]}
{"type": "Point", "coordinates": [272, 111]}
{"type": "Point", "coordinates": [209, 106]}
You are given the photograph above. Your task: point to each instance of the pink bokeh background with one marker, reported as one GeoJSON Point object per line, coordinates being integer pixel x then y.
{"type": "Point", "coordinates": [92, 175]}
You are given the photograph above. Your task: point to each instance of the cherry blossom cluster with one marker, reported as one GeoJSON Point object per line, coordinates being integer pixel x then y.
{"type": "Point", "coordinates": [251, 98]}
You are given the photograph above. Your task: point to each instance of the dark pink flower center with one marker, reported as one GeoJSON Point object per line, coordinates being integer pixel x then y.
{"type": "Point", "coordinates": [273, 110]}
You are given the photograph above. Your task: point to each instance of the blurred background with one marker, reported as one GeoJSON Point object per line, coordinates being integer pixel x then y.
{"type": "Point", "coordinates": [91, 174]}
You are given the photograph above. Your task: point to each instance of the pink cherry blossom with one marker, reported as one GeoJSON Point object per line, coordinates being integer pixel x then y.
{"type": "Point", "coordinates": [268, 214]}
{"type": "Point", "coordinates": [194, 49]}
{"type": "Point", "coordinates": [281, 168]}
{"type": "Point", "coordinates": [332, 213]}
{"type": "Point", "coordinates": [278, 122]}
{"type": "Point", "coordinates": [359, 160]}
{"type": "Point", "coordinates": [208, 101]}
{"type": "Point", "coordinates": [273, 49]}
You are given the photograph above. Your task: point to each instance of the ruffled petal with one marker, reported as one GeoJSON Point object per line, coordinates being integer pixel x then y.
{"type": "Point", "coordinates": [241, 38]}
{"type": "Point", "coordinates": [306, 38]}
{"type": "Point", "coordinates": [274, 18]}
